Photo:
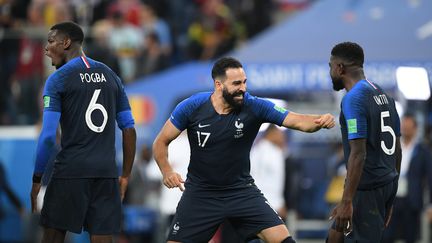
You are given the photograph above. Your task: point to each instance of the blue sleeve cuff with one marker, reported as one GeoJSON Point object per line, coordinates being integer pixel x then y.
{"type": "Point", "coordinates": [125, 119]}
{"type": "Point", "coordinates": [47, 140]}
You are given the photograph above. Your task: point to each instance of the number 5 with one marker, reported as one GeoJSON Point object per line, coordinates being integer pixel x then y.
{"type": "Point", "coordinates": [388, 129]}
{"type": "Point", "coordinates": [92, 107]}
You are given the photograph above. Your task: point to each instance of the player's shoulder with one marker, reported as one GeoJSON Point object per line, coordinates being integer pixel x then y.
{"type": "Point", "coordinates": [197, 99]}
{"type": "Point", "coordinates": [358, 91]}
{"type": "Point", "coordinates": [56, 79]}
{"type": "Point", "coordinates": [193, 102]}
{"type": "Point", "coordinates": [250, 99]}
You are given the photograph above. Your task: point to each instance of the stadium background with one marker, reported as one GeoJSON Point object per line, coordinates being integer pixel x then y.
{"type": "Point", "coordinates": [284, 45]}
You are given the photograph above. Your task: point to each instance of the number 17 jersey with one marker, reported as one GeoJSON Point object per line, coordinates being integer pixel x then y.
{"type": "Point", "coordinates": [89, 96]}
{"type": "Point", "coordinates": [367, 112]}
{"type": "Point", "coordinates": [220, 143]}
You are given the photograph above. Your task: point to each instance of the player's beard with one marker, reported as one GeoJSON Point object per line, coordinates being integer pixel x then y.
{"type": "Point", "coordinates": [229, 98]}
{"type": "Point", "coordinates": [337, 84]}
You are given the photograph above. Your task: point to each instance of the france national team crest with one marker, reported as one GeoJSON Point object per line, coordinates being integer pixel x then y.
{"type": "Point", "coordinates": [176, 228]}
{"type": "Point", "coordinates": [239, 128]}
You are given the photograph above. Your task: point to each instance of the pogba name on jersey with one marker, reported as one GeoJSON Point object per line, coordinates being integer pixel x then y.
{"type": "Point", "coordinates": [92, 77]}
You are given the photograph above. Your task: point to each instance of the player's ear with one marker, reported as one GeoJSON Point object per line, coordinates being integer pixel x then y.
{"type": "Point", "coordinates": [67, 43]}
{"type": "Point", "coordinates": [218, 84]}
{"type": "Point", "coordinates": [341, 68]}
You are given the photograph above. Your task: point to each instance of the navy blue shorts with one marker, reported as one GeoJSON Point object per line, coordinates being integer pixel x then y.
{"type": "Point", "coordinates": [199, 215]}
{"type": "Point", "coordinates": [369, 213]}
{"type": "Point", "coordinates": [91, 203]}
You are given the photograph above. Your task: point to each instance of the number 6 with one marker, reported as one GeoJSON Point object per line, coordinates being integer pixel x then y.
{"type": "Point", "coordinates": [92, 107]}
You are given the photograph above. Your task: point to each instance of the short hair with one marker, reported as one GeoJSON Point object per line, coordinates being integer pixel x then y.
{"type": "Point", "coordinates": [350, 52]}
{"type": "Point", "coordinates": [72, 30]}
{"type": "Point", "coordinates": [224, 63]}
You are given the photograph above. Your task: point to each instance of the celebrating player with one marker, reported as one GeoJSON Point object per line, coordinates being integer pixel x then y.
{"type": "Point", "coordinates": [221, 127]}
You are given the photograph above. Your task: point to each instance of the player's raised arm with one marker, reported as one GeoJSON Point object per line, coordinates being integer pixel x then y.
{"type": "Point", "coordinates": [308, 123]}
{"type": "Point", "coordinates": [168, 133]}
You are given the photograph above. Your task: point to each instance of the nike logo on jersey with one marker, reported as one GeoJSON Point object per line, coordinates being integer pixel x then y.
{"type": "Point", "coordinates": [205, 125]}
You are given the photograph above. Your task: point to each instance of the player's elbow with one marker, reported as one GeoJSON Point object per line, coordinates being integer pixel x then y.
{"type": "Point", "coordinates": [48, 138]}
{"type": "Point", "coordinates": [125, 120]}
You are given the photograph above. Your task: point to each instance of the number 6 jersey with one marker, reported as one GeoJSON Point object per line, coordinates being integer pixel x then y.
{"type": "Point", "coordinates": [367, 112]}
{"type": "Point", "coordinates": [90, 97]}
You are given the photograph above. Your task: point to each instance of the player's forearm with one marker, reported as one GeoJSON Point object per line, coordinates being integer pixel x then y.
{"type": "Point", "coordinates": [301, 122]}
{"type": "Point", "coordinates": [129, 148]}
{"type": "Point", "coordinates": [354, 172]}
{"type": "Point", "coordinates": [46, 143]}
{"type": "Point", "coordinates": [160, 153]}
{"type": "Point", "coordinates": [307, 123]}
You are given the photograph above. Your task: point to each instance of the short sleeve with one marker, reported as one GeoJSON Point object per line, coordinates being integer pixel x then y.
{"type": "Point", "coordinates": [52, 93]}
{"type": "Point", "coordinates": [180, 116]}
{"type": "Point", "coordinates": [267, 110]}
{"type": "Point", "coordinates": [122, 99]}
{"type": "Point", "coordinates": [354, 110]}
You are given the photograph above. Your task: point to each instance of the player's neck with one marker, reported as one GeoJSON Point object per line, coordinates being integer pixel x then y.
{"type": "Point", "coordinates": [219, 104]}
{"type": "Point", "coordinates": [353, 79]}
{"type": "Point", "coordinates": [75, 52]}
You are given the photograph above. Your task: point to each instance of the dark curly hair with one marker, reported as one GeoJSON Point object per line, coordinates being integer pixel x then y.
{"type": "Point", "coordinates": [70, 29]}
{"type": "Point", "coordinates": [350, 52]}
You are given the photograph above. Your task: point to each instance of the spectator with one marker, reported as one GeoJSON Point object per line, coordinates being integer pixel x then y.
{"type": "Point", "coordinates": [153, 59]}
{"type": "Point", "coordinates": [268, 167]}
{"type": "Point", "coordinates": [151, 23]}
{"type": "Point", "coordinates": [213, 32]}
{"type": "Point", "coordinates": [126, 42]}
{"type": "Point", "coordinates": [8, 49]}
{"type": "Point", "coordinates": [128, 8]}
{"type": "Point", "coordinates": [98, 47]}
{"type": "Point", "coordinates": [28, 76]}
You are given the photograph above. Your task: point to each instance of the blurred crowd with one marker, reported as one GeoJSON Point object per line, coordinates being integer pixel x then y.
{"type": "Point", "coordinates": [134, 37]}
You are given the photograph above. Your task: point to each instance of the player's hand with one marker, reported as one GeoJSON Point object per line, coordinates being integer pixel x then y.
{"type": "Point", "coordinates": [342, 215]}
{"type": "Point", "coordinates": [173, 179]}
{"type": "Point", "coordinates": [123, 181]}
{"type": "Point", "coordinates": [34, 195]}
{"type": "Point", "coordinates": [325, 121]}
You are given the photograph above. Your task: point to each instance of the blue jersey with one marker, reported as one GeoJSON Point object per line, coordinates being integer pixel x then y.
{"type": "Point", "coordinates": [220, 144]}
{"type": "Point", "coordinates": [367, 112]}
{"type": "Point", "coordinates": [89, 96]}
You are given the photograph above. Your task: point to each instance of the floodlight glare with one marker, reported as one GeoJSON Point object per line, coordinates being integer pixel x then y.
{"type": "Point", "coordinates": [413, 82]}
{"type": "Point", "coordinates": [399, 108]}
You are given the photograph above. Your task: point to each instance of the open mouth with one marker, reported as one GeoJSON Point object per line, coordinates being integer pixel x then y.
{"type": "Point", "coordinates": [239, 96]}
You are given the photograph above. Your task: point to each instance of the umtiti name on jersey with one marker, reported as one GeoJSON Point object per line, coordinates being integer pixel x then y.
{"type": "Point", "coordinates": [92, 77]}
{"type": "Point", "coordinates": [381, 99]}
